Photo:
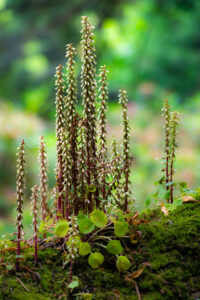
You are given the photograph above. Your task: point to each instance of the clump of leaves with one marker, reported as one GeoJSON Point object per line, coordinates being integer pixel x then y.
{"type": "Point", "coordinates": [92, 194]}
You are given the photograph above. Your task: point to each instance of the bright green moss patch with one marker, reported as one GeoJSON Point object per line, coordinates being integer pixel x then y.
{"type": "Point", "coordinates": [169, 247]}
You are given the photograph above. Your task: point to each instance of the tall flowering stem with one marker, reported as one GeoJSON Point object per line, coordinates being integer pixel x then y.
{"type": "Point", "coordinates": [20, 185]}
{"type": "Point", "coordinates": [72, 122]}
{"type": "Point", "coordinates": [71, 93]}
{"type": "Point", "coordinates": [74, 158]}
{"type": "Point", "coordinates": [174, 125]}
{"type": "Point", "coordinates": [81, 165]}
{"type": "Point", "coordinates": [166, 115]}
{"type": "Point", "coordinates": [43, 178]}
{"type": "Point", "coordinates": [116, 169]}
{"type": "Point", "coordinates": [123, 100]}
{"type": "Point", "coordinates": [88, 84]}
{"type": "Point", "coordinates": [60, 125]}
{"type": "Point", "coordinates": [34, 203]}
{"type": "Point", "coordinates": [67, 176]}
{"type": "Point", "coordinates": [103, 96]}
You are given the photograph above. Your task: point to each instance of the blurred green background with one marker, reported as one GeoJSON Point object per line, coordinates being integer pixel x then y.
{"type": "Point", "coordinates": [150, 47]}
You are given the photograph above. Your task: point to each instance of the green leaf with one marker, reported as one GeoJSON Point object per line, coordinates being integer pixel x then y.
{"type": "Point", "coordinates": [98, 217]}
{"type": "Point", "coordinates": [87, 296]}
{"type": "Point", "coordinates": [73, 284]}
{"type": "Point", "coordinates": [61, 228]}
{"type": "Point", "coordinates": [84, 248]}
{"type": "Point", "coordinates": [81, 217]}
{"type": "Point", "coordinates": [91, 188]}
{"type": "Point", "coordinates": [86, 226]}
{"type": "Point", "coordinates": [123, 264]}
{"type": "Point", "coordinates": [120, 228]}
{"type": "Point", "coordinates": [95, 260]}
{"type": "Point", "coordinates": [114, 247]}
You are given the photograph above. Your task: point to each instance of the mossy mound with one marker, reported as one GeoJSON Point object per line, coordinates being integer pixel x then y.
{"type": "Point", "coordinates": [169, 248]}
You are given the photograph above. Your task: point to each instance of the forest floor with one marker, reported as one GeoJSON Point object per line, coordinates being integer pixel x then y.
{"type": "Point", "coordinates": [168, 255]}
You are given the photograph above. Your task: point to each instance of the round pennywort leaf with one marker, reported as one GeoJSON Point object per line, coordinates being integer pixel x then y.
{"type": "Point", "coordinates": [86, 226]}
{"type": "Point", "coordinates": [61, 228]}
{"type": "Point", "coordinates": [114, 247]}
{"type": "Point", "coordinates": [95, 260]}
{"type": "Point", "coordinates": [84, 248]}
{"type": "Point", "coordinates": [81, 217]}
{"type": "Point", "coordinates": [98, 217]}
{"type": "Point", "coordinates": [123, 264]}
{"type": "Point", "coordinates": [120, 228]}
{"type": "Point", "coordinates": [73, 284]}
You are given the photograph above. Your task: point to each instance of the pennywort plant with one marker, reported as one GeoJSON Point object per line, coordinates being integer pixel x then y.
{"type": "Point", "coordinates": [166, 116]}
{"type": "Point", "coordinates": [34, 212]}
{"type": "Point", "coordinates": [103, 96]}
{"type": "Point", "coordinates": [123, 100]}
{"type": "Point", "coordinates": [173, 145]}
{"type": "Point", "coordinates": [43, 179]}
{"type": "Point", "coordinates": [20, 185]}
{"type": "Point", "coordinates": [90, 215]}
{"type": "Point", "coordinates": [171, 121]}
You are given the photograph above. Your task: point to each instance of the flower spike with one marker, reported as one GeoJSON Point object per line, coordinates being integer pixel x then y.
{"type": "Point", "coordinates": [103, 90]}
{"type": "Point", "coordinates": [123, 100]}
{"type": "Point", "coordinates": [43, 178]}
{"type": "Point", "coordinates": [20, 185]}
{"type": "Point", "coordinates": [174, 125]}
{"type": "Point", "coordinates": [88, 84]}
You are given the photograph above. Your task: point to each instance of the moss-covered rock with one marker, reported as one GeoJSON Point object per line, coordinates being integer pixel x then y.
{"type": "Point", "coordinates": [169, 248]}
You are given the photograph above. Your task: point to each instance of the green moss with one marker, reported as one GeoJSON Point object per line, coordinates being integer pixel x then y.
{"type": "Point", "coordinates": [169, 247]}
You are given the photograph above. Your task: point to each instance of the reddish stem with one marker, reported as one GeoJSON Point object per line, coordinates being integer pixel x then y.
{"type": "Point", "coordinates": [18, 248]}
{"type": "Point", "coordinates": [171, 180]}
{"type": "Point", "coordinates": [66, 204]}
{"type": "Point", "coordinates": [167, 163]}
{"type": "Point", "coordinates": [36, 246]}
